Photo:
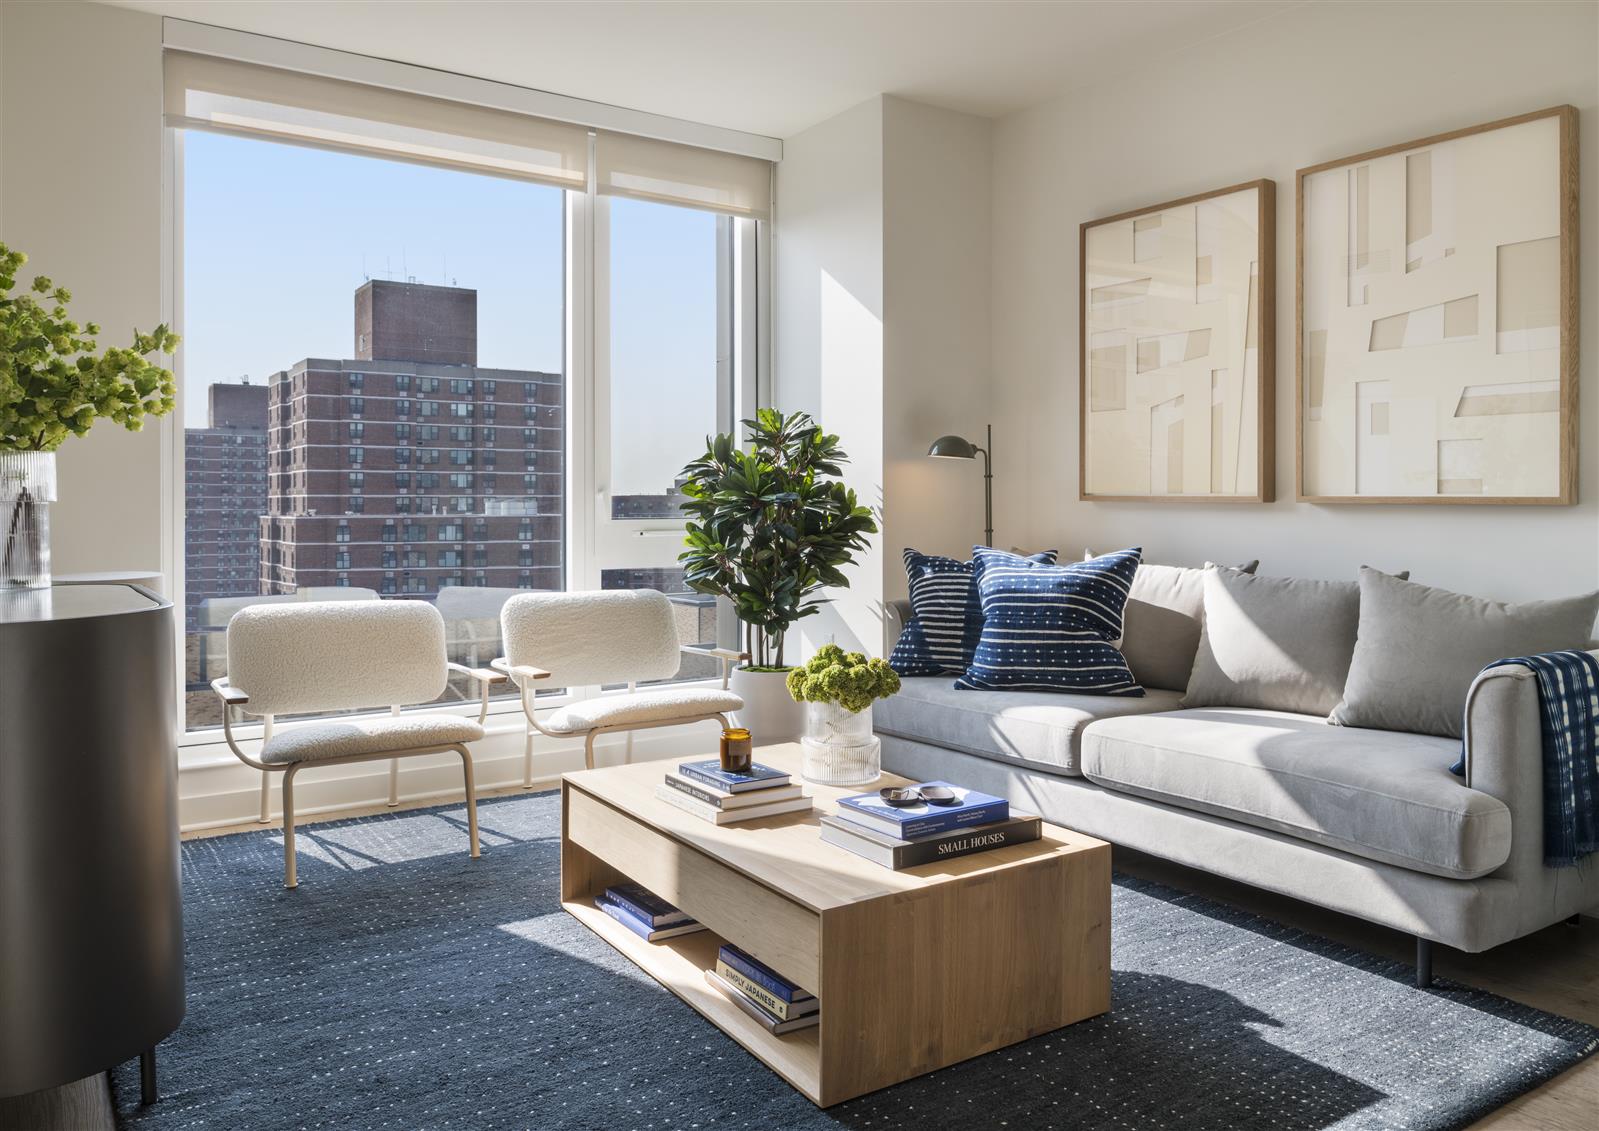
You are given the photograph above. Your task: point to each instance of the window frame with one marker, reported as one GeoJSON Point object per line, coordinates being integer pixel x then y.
{"type": "Point", "coordinates": [592, 544]}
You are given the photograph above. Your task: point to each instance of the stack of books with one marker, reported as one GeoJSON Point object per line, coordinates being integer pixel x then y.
{"type": "Point", "coordinates": [713, 794]}
{"type": "Point", "coordinates": [644, 913]}
{"type": "Point", "coordinates": [898, 838]}
{"type": "Point", "coordinates": [778, 1004]}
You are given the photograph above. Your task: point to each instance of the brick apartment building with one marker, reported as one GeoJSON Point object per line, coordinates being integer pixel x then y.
{"type": "Point", "coordinates": [225, 494]}
{"type": "Point", "coordinates": [408, 468]}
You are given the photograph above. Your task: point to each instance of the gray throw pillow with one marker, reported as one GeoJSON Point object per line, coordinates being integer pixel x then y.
{"type": "Point", "coordinates": [1161, 622]}
{"type": "Point", "coordinates": [1419, 648]}
{"type": "Point", "coordinates": [1279, 643]}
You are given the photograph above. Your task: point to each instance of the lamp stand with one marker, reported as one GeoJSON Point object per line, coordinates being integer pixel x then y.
{"type": "Point", "coordinates": [988, 490]}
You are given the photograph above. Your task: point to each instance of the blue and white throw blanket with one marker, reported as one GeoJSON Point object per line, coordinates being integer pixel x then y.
{"type": "Point", "coordinates": [1568, 700]}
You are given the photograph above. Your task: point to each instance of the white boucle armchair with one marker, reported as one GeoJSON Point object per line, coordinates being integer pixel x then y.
{"type": "Point", "coordinates": [339, 656]}
{"type": "Point", "coordinates": [594, 638]}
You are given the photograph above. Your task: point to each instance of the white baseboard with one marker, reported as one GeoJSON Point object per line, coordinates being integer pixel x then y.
{"type": "Point", "coordinates": [213, 792]}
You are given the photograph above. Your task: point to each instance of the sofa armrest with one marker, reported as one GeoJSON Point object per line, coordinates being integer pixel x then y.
{"type": "Point", "coordinates": [899, 615]}
{"type": "Point", "coordinates": [1504, 756]}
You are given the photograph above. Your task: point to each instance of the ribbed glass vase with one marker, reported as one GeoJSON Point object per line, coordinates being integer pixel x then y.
{"type": "Point", "coordinates": [839, 747]}
{"type": "Point", "coordinates": [27, 488]}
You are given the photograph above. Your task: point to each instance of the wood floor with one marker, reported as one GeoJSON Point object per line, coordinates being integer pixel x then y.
{"type": "Point", "coordinates": [1556, 969]}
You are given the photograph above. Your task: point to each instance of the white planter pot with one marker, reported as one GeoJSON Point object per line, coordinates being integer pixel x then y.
{"type": "Point", "coordinates": [839, 746]}
{"type": "Point", "coordinates": [769, 711]}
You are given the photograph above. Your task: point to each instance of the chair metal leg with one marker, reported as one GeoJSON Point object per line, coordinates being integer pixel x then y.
{"type": "Point", "coordinates": [290, 878]}
{"type": "Point", "coordinates": [1423, 962]}
{"type": "Point", "coordinates": [471, 799]}
{"type": "Point", "coordinates": [394, 782]}
{"type": "Point", "coordinates": [627, 743]}
{"type": "Point", "coordinates": [266, 778]}
{"type": "Point", "coordinates": [527, 761]}
{"type": "Point", "coordinates": [147, 1085]}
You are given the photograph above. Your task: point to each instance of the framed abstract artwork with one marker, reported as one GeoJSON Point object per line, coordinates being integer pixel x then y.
{"type": "Point", "coordinates": [1436, 319]}
{"type": "Point", "coordinates": [1176, 350]}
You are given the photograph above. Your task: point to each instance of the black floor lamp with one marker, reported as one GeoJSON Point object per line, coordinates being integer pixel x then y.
{"type": "Point", "coordinates": [956, 447]}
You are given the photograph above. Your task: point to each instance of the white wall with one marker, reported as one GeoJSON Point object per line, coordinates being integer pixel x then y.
{"type": "Point", "coordinates": [1316, 83]}
{"type": "Point", "coordinates": [827, 335]}
{"type": "Point", "coordinates": [881, 309]}
{"type": "Point", "coordinates": [80, 192]}
{"type": "Point", "coordinates": [935, 327]}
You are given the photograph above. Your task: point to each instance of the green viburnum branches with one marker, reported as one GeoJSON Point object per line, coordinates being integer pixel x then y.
{"type": "Point", "coordinates": [846, 678]}
{"type": "Point", "coordinates": [52, 382]}
{"type": "Point", "coordinates": [772, 526]}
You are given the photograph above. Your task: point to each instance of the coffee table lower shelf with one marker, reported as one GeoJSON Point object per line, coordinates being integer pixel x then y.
{"type": "Point", "coordinates": [915, 970]}
{"type": "Point", "coordinates": [679, 964]}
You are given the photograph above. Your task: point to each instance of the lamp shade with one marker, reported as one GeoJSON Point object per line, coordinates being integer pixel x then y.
{"type": "Point", "coordinates": [953, 447]}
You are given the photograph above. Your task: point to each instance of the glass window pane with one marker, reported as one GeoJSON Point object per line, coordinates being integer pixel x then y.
{"type": "Point", "coordinates": [358, 289]}
{"type": "Point", "coordinates": [665, 330]}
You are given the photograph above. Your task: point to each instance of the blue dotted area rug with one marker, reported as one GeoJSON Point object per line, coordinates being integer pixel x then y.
{"type": "Point", "coordinates": [406, 986]}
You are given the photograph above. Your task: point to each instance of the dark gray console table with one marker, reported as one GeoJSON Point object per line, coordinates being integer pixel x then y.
{"type": "Point", "coordinates": [91, 924]}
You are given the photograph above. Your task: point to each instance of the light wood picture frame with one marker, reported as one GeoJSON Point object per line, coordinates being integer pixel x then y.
{"type": "Point", "coordinates": [1177, 350]}
{"type": "Point", "coordinates": [1435, 319]}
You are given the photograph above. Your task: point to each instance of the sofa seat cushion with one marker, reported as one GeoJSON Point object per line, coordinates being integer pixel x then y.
{"type": "Point", "coordinates": [642, 708]}
{"type": "Point", "coordinates": [366, 734]}
{"type": "Point", "coordinates": [1040, 728]}
{"type": "Point", "coordinates": [1377, 794]}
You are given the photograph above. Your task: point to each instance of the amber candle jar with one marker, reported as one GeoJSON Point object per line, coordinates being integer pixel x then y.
{"type": "Point", "coordinates": [737, 750]}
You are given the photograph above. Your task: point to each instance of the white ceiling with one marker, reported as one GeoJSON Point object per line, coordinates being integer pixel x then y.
{"type": "Point", "coordinates": [772, 67]}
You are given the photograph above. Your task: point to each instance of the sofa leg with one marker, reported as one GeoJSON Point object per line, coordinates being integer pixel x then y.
{"type": "Point", "coordinates": [1423, 962]}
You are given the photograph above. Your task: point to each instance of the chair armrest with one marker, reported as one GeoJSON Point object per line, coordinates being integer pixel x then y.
{"type": "Point", "coordinates": [482, 675]}
{"type": "Point", "coordinates": [728, 654]}
{"type": "Point", "coordinates": [522, 671]}
{"type": "Point", "coordinates": [231, 696]}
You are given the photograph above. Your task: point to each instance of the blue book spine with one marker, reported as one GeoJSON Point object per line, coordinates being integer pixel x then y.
{"type": "Point", "coordinates": [639, 927]}
{"type": "Point", "coordinates": [761, 976]}
{"type": "Point", "coordinates": [711, 774]}
{"type": "Point", "coordinates": [926, 824]}
{"type": "Point", "coordinates": [646, 905]}
{"type": "Point", "coordinates": [944, 822]}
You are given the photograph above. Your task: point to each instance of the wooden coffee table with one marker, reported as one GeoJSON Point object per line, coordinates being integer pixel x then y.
{"type": "Point", "coordinates": [915, 970]}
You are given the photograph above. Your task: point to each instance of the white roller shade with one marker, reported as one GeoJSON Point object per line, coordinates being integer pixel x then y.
{"type": "Point", "coordinates": [203, 92]}
{"type": "Point", "coordinates": [664, 171]}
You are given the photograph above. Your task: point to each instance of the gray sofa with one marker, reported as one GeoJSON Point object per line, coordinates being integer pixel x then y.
{"type": "Point", "coordinates": [1366, 822]}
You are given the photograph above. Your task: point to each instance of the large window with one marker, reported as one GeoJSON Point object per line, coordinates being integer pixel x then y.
{"type": "Point", "coordinates": [341, 308]}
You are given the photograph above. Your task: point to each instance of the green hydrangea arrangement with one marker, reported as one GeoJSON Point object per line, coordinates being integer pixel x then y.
{"type": "Point", "coordinates": [53, 383]}
{"type": "Point", "coordinates": [846, 678]}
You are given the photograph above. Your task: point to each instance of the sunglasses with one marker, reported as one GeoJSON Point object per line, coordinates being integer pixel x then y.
{"type": "Point", "coordinates": [902, 796]}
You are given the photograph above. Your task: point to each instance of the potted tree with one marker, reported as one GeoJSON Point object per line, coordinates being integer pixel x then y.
{"type": "Point", "coordinates": [53, 384]}
{"type": "Point", "coordinates": [769, 527]}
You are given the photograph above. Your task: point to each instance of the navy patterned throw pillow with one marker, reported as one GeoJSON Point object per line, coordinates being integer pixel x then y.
{"type": "Point", "coordinates": [947, 618]}
{"type": "Point", "coordinates": [1050, 628]}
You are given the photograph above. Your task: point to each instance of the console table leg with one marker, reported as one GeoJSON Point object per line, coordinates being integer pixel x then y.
{"type": "Point", "coordinates": [147, 1088]}
{"type": "Point", "coordinates": [1423, 963]}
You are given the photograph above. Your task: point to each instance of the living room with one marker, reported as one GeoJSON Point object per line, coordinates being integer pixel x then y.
{"type": "Point", "coordinates": [525, 418]}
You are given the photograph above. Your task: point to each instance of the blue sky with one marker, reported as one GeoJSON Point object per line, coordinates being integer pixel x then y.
{"type": "Point", "coordinates": [278, 237]}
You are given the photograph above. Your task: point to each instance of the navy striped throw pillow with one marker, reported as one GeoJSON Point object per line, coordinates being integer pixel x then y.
{"type": "Point", "coordinates": [1050, 628]}
{"type": "Point", "coordinates": [947, 618]}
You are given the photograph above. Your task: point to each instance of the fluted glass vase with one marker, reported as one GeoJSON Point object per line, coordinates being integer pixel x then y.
{"type": "Point", "coordinates": [27, 488]}
{"type": "Point", "coordinates": [839, 747]}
